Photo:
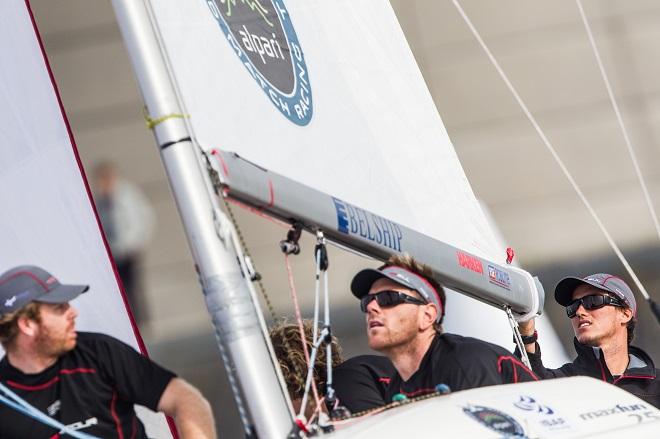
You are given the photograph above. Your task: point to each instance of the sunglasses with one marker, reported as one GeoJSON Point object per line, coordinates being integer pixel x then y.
{"type": "Point", "coordinates": [387, 299]}
{"type": "Point", "coordinates": [591, 302]}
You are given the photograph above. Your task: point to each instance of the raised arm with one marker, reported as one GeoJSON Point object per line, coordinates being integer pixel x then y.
{"type": "Point", "coordinates": [190, 410]}
{"type": "Point", "coordinates": [527, 330]}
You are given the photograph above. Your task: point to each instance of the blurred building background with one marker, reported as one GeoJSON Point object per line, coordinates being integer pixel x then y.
{"type": "Point", "coordinates": [544, 49]}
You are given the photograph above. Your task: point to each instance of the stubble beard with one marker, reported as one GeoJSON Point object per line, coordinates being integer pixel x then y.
{"type": "Point", "coordinates": [391, 342]}
{"type": "Point", "coordinates": [53, 346]}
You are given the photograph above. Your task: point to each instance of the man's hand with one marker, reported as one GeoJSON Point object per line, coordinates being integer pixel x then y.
{"type": "Point", "coordinates": [191, 412]}
{"type": "Point", "coordinates": [527, 329]}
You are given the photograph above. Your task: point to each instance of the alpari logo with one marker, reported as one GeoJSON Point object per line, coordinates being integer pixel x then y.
{"type": "Point", "coordinates": [261, 34]}
{"type": "Point", "coordinates": [352, 220]}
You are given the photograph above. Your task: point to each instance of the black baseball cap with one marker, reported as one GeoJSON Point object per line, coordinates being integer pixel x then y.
{"type": "Point", "coordinates": [28, 283]}
{"type": "Point", "coordinates": [606, 282]}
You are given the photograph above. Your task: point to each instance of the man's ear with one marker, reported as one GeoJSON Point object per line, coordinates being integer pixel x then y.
{"type": "Point", "coordinates": [626, 315]}
{"type": "Point", "coordinates": [27, 326]}
{"type": "Point", "coordinates": [429, 314]}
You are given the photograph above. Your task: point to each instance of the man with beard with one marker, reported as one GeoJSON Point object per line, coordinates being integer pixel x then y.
{"type": "Point", "coordinates": [404, 307]}
{"type": "Point", "coordinates": [86, 381]}
{"type": "Point", "coordinates": [603, 310]}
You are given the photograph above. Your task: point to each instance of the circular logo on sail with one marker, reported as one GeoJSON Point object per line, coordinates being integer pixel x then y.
{"type": "Point", "coordinates": [261, 34]}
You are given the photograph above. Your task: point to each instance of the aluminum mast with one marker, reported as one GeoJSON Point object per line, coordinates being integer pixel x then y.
{"type": "Point", "coordinates": [238, 322]}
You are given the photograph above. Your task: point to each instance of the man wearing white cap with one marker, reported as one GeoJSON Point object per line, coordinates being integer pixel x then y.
{"type": "Point", "coordinates": [603, 310]}
{"type": "Point", "coordinates": [83, 381]}
{"type": "Point", "coordinates": [404, 307]}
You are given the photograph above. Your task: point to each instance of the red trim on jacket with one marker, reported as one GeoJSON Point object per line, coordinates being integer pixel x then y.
{"type": "Point", "coordinates": [51, 381]}
{"type": "Point", "coordinates": [113, 412]}
{"type": "Point", "coordinates": [417, 392]}
{"type": "Point", "coordinates": [516, 362]}
{"type": "Point", "coordinates": [643, 377]}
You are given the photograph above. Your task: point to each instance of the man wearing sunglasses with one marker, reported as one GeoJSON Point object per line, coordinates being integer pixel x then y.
{"type": "Point", "coordinates": [602, 310]}
{"type": "Point", "coordinates": [404, 307]}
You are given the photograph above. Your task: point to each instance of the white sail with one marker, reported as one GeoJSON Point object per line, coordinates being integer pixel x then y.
{"type": "Point", "coordinates": [366, 131]}
{"type": "Point", "coordinates": [374, 137]}
{"type": "Point", "coordinates": [47, 215]}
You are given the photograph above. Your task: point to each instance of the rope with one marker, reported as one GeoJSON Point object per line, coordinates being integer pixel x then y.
{"type": "Point", "coordinates": [257, 212]}
{"type": "Point", "coordinates": [15, 402]}
{"type": "Point", "coordinates": [553, 152]}
{"type": "Point", "coordinates": [262, 289]}
{"type": "Point", "coordinates": [615, 106]}
{"type": "Point", "coordinates": [152, 123]}
{"type": "Point", "coordinates": [301, 328]}
{"type": "Point", "coordinates": [353, 417]}
{"type": "Point", "coordinates": [517, 337]}
{"type": "Point", "coordinates": [241, 239]}
{"type": "Point", "coordinates": [324, 335]}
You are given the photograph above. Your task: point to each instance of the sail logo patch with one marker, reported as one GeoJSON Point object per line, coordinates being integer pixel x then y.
{"type": "Point", "coordinates": [499, 277]}
{"type": "Point", "coordinates": [529, 404]}
{"type": "Point", "coordinates": [470, 262]}
{"type": "Point", "coordinates": [261, 34]}
{"type": "Point", "coordinates": [541, 414]}
{"type": "Point", "coordinates": [354, 221]}
{"type": "Point", "coordinates": [495, 420]}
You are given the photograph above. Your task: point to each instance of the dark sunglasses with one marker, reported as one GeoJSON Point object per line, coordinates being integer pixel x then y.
{"type": "Point", "coordinates": [388, 298]}
{"type": "Point", "coordinates": [594, 301]}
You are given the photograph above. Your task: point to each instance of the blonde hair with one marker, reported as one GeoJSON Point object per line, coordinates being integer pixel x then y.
{"type": "Point", "coordinates": [9, 322]}
{"type": "Point", "coordinates": [291, 356]}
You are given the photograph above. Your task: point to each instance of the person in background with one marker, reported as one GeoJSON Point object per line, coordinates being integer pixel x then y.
{"type": "Point", "coordinates": [128, 222]}
{"type": "Point", "coordinates": [404, 307]}
{"type": "Point", "coordinates": [86, 381]}
{"type": "Point", "coordinates": [602, 310]}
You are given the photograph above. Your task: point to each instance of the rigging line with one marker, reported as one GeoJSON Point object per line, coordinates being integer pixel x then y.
{"type": "Point", "coordinates": [309, 380]}
{"type": "Point", "coordinates": [317, 287]}
{"type": "Point", "coordinates": [301, 328]}
{"type": "Point", "coordinates": [554, 154]}
{"type": "Point", "coordinates": [15, 402]}
{"type": "Point", "coordinates": [288, 349]}
{"type": "Point", "coordinates": [615, 106]}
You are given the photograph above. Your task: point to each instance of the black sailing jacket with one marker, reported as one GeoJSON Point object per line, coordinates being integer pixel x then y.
{"type": "Point", "coordinates": [460, 363]}
{"type": "Point", "coordinates": [640, 378]}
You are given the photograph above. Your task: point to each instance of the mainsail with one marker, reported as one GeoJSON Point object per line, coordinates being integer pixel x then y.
{"type": "Point", "coordinates": [329, 95]}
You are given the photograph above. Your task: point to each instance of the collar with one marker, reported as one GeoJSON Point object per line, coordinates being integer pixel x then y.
{"type": "Point", "coordinates": [640, 364]}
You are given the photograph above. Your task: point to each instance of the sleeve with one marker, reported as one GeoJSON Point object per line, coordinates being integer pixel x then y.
{"type": "Point", "coordinates": [479, 364]}
{"type": "Point", "coordinates": [513, 370]}
{"type": "Point", "coordinates": [537, 365]}
{"type": "Point", "coordinates": [136, 378]}
{"type": "Point", "coordinates": [360, 387]}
